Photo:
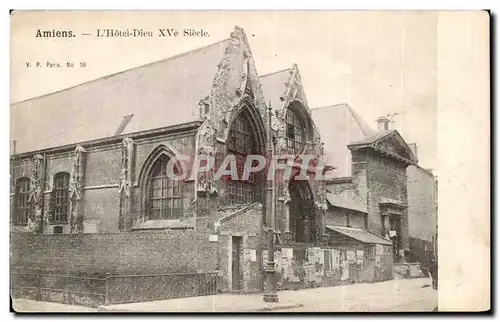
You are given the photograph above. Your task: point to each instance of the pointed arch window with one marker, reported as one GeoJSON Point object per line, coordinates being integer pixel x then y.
{"type": "Point", "coordinates": [60, 196]}
{"type": "Point", "coordinates": [22, 202]}
{"type": "Point", "coordinates": [242, 142]}
{"type": "Point", "coordinates": [164, 192]}
{"type": "Point", "coordinates": [295, 132]}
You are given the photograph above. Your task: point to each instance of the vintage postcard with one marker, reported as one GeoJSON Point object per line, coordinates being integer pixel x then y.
{"type": "Point", "coordinates": [249, 161]}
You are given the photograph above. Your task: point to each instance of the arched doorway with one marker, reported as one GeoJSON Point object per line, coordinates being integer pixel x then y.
{"type": "Point", "coordinates": [302, 217]}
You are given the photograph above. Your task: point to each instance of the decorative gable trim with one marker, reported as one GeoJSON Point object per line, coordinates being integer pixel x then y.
{"type": "Point", "coordinates": [383, 145]}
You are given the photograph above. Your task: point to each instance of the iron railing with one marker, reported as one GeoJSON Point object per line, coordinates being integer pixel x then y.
{"type": "Point", "coordinates": [111, 289]}
{"type": "Point", "coordinates": [72, 290]}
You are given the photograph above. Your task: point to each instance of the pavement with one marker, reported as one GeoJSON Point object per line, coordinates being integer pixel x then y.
{"type": "Point", "coordinates": [30, 306]}
{"type": "Point", "coordinates": [401, 295]}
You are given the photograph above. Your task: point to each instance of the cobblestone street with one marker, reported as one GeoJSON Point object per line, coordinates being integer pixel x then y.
{"type": "Point", "coordinates": [391, 296]}
{"type": "Point", "coordinates": [395, 295]}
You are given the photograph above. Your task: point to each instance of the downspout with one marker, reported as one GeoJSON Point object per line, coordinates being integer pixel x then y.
{"type": "Point", "coordinates": [196, 143]}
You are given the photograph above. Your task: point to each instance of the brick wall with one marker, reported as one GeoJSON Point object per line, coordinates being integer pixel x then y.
{"type": "Point", "coordinates": [246, 224]}
{"type": "Point", "coordinates": [172, 251]}
{"type": "Point", "coordinates": [100, 198]}
{"type": "Point", "coordinates": [102, 207]}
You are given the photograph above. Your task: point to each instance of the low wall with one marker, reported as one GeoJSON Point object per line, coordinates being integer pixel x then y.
{"type": "Point", "coordinates": [170, 251]}
{"type": "Point", "coordinates": [72, 290]}
{"type": "Point", "coordinates": [93, 292]}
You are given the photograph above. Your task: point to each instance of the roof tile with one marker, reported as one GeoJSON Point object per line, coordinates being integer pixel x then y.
{"type": "Point", "coordinates": [159, 94]}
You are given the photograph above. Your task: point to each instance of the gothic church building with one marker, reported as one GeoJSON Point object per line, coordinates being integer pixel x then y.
{"type": "Point", "coordinates": [91, 160]}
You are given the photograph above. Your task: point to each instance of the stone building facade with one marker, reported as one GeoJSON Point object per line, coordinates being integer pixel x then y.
{"type": "Point", "coordinates": [89, 175]}
{"type": "Point", "coordinates": [92, 160]}
{"type": "Point", "coordinates": [106, 181]}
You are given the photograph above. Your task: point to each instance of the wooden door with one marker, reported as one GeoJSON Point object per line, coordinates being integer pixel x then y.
{"type": "Point", "coordinates": [235, 263]}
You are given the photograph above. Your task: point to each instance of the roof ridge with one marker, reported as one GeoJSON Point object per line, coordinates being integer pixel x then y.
{"type": "Point", "coordinates": [358, 120]}
{"type": "Point", "coordinates": [276, 72]}
{"type": "Point", "coordinates": [373, 137]}
{"type": "Point", "coordinates": [124, 71]}
{"type": "Point", "coordinates": [328, 106]}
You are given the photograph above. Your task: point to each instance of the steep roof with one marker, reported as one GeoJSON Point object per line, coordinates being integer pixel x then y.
{"type": "Point", "coordinates": [273, 86]}
{"type": "Point", "coordinates": [361, 235]}
{"type": "Point", "coordinates": [339, 126]}
{"type": "Point", "coordinates": [159, 94]}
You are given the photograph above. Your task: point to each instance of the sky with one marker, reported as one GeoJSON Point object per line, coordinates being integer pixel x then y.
{"type": "Point", "coordinates": [378, 62]}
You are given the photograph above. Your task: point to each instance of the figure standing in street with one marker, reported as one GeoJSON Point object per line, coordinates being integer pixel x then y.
{"type": "Point", "coordinates": [433, 270]}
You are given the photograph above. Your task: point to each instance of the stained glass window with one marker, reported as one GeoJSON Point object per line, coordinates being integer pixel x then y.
{"type": "Point", "coordinates": [241, 144]}
{"type": "Point", "coordinates": [61, 197]}
{"type": "Point", "coordinates": [164, 192]}
{"type": "Point", "coordinates": [22, 196]}
{"type": "Point", "coordinates": [294, 132]}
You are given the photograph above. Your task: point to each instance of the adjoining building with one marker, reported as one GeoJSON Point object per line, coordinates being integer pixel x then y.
{"type": "Point", "coordinates": [90, 194]}
{"type": "Point", "coordinates": [422, 212]}
{"type": "Point", "coordinates": [377, 184]}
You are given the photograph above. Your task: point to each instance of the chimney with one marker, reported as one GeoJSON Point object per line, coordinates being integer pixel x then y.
{"type": "Point", "coordinates": [413, 148]}
{"type": "Point", "coordinates": [383, 123]}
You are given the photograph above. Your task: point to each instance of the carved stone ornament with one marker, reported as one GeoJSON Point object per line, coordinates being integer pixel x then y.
{"type": "Point", "coordinates": [207, 139]}
{"type": "Point", "coordinates": [36, 195]}
{"type": "Point", "coordinates": [75, 188]}
{"type": "Point", "coordinates": [35, 181]}
{"type": "Point", "coordinates": [286, 194]}
{"type": "Point", "coordinates": [77, 174]}
{"type": "Point", "coordinates": [125, 184]}
{"type": "Point", "coordinates": [321, 206]}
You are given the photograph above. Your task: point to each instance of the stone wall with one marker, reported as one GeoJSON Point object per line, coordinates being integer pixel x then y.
{"type": "Point", "coordinates": [381, 177]}
{"type": "Point", "coordinates": [247, 225]}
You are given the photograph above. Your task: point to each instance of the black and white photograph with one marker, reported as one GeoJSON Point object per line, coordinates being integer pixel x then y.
{"type": "Point", "coordinates": [241, 161]}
